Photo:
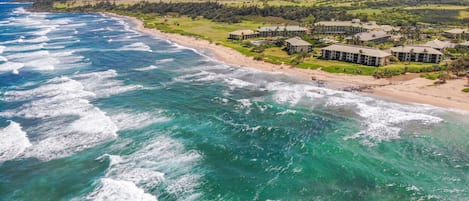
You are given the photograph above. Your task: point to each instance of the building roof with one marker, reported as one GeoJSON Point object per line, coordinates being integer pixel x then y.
{"type": "Point", "coordinates": [339, 23]}
{"type": "Point", "coordinates": [371, 25]}
{"type": "Point", "coordinates": [357, 50]}
{"type": "Point", "coordinates": [438, 44]}
{"type": "Point", "coordinates": [464, 44]}
{"type": "Point", "coordinates": [296, 41]}
{"type": "Point", "coordinates": [389, 28]}
{"type": "Point", "coordinates": [282, 28]}
{"type": "Point", "coordinates": [372, 35]}
{"type": "Point", "coordinates": [416, 49]}
{"type": "Point", "coordinates": [243, 32]}
{"type": "Point", "coordinates": [457, 31]}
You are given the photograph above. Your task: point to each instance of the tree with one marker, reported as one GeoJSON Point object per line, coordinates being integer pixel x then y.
{"type": "Point", "coordinates": [459, 65]}
{"type": "Point", "coordinates": [443, 77]}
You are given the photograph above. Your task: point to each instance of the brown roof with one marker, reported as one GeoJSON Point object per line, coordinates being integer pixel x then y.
{"type": "Point", "coordinates": [243, 32]}
{"type": "Point", "coordinates": [416, 49]}
{"type": "Point", "coordinates": [438, 44]}
{"type": "Point", "coordinates": [282, 28]}
{"type": "Point", "coordinates": [457, 31]}
{"type": "Point", "coordinates": [464, 44]}
{"type": "Point", "coordinates": [296, 41]}
{"type": "Point", "coordinates": [368, 51]}
{"type": "Point", "coordinates": [371, 35]}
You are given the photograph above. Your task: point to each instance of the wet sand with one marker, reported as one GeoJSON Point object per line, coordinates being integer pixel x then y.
{"type": "Point", "coordinates": [407, 88]}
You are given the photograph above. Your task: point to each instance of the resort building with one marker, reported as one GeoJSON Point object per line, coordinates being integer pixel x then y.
{"type": "Point", "coordinates": [417, 54]}
{"type": "Point", "coordinates": [349, 27]}
{"type": "Point", "coordinates": [457, 34]}
{"type": "Point", "coordinates": [356, 54]}
{"type": "Point", "coordinates": [366, 38]}
{"type": "Point", "coordinates": [243, 34]}
{"type": "Point", "coordinates": [463, 45]}
{"type": "Point", "coordinates": [439, 45]}
{"type": "Point", "coordinates": [296, 45]}
{"type": "Point", "coordinates": [284, 31]}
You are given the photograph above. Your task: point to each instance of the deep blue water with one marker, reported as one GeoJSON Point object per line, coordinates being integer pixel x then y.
{"type": "Point", "coordinates": [93, 110]}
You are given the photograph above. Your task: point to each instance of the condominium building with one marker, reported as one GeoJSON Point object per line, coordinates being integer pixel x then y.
{"type": "Point", "coordinates": [366, 38]}
{"type": "Point", "coordinates": [243, 34]}
{"type": "Point", "coordinates": [439, 45]}
{"type": "Point", "coordinates": [457, 34]}
{"type": "Point", "coordinates": [284, 31]}
{"type": "Point", "coordinates": [296, 45]}
{"type": "Point", "coordinates": [417, 54]}
{"type": "Point", "coordinates": [349, 27]}
{"type": "Point", "coordinates": [356, 54]}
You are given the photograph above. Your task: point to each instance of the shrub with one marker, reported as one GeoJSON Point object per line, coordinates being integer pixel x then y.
{"type": "Point", "coordinates": [430, 76]}
{"type": "Point", "coordinates": [465, 90]}
{"type": "Point", "coordinates": [259, 57]}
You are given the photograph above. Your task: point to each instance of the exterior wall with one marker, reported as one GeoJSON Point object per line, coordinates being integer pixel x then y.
{"type": "Point", "coordinates": [282, 33]}
{"type": "Point", "coordinates": [461, 36]}
{"type": "Point", "coordinates": [416, 57]}
{"type": "Point", "coordinates": [243, 36]}
{"type": "Point", "coordinates": [354, 58]}
{"type": "Point", "coordinates": [336, 30]}
{"type": "Point", "coordinates": [354, 41]}
{"type": "Point", "coordinates": [297, 49]}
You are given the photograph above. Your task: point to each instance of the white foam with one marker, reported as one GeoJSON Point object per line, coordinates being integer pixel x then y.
{"type": "Point", "coordinates": [3, 58]}
{"type": "Point", "coordinates": [44, 31]}
{"type": "Point", "coordinates": [138, 46]}
{"type": "Point", "coordinates": [68, 121]}
{"type": "Point", "coordinates": [3, 3]}
{"type": "Point", "coordinates": [116, 190]}
{"type": "Point", "coordinates": [288, 111]}
{"type": "Point", "coordinates": [20, 10]}
{"type": "Point", "coordinates": [102, 85]}
{"type": "Point", "coordinates": [245, 104]}
{"type": "Point", "coordinates": [384, 123]}
{"type": "Point", "coordinates": [47, 63]}
{"type": "Point", "coordinates": [40, 39]}
{"type": "Point", "coordinates": [130, 121]}
{"type": "Point", "coordinates": [13, 141]}
{"type": "Point", "coordinates": [380, 120]}
{"type": "Point", "coordinates": [206, 76]}
{"type": "Point", "coordinates": [148, 68]}
{"type": "Point", "coordinates": [293, 93]}
{"type": "Point", "coordinates": [13, 67]}
{"type": "Point", "coordinates": [2, 48]}
{"type": "Point", "coordinates": [22, 48]}
{"type": "Point", "coordinates": [27, 56]}
{"type": "Point", "coordinates": [161, 162]}
{"type": "Point", "coordinates": [162, 61]}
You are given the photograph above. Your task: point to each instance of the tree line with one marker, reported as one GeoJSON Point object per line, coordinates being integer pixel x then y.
{"type": "Point", "coordinates": [213, 10]}
{"type": "Point", "coordinates": [394, 3]}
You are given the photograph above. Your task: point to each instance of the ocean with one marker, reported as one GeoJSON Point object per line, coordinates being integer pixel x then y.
{"type": "Point", "coordinates": [91, 109]}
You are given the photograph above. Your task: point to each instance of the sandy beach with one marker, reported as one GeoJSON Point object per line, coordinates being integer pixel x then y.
{"type": "Point", "coordinates": [407, 88]}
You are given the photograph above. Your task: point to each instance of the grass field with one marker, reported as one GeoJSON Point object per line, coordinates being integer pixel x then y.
{"type": "Point", "coordinates": [217, 32]}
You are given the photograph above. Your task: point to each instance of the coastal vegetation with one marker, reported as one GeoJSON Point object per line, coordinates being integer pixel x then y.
{"type": "Point", "coordinates": [212, 21]}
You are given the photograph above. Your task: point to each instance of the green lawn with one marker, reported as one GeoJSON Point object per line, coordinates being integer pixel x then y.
{"type": "Point", "coordinates": [217, 32]}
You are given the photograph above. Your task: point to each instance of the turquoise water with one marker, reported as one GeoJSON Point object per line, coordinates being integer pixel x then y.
{"type": "Point", "coordinates": [93, 110]}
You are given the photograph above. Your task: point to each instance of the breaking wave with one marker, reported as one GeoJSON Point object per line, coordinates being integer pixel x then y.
{"type": "Point", "coordinates": [13, 141]}
{"type": "Point", "coordinates": [162, 163]}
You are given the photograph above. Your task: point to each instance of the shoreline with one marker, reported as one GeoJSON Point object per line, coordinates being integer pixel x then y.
{"type": "Point", "coordinates": [405, 89]}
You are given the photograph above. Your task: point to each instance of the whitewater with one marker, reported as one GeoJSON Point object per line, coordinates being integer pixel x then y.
{"type": "Point", "coordinates": [91, 109]}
